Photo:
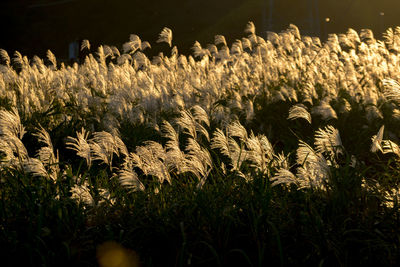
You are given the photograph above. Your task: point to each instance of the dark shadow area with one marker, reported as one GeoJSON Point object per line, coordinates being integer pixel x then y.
{"type": "Point", "coordinates": [32, 27]}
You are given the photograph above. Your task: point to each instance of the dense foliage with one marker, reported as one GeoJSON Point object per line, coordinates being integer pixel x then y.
{"type": "Point", "coordinates": [280, 151]}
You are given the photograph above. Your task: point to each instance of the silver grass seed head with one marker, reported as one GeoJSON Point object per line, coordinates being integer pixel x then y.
{"type": "Point", "coordinates": [85, 45]}
{"type": "Point", "coordinates": [165, 36]}
{"type": "Point", "coordinates": [5, 57]}
{"type": "Point", "coordinates": [299, 111]}
{"type": "Point", "coordinates": [283, 176]}
{"type": "Point", "coordinates": [80, 145]}
{"type": "Point", "coordinates": [52, 58]}
{"type": "Point", "coordinates": [129, 179]}
{"type": "Point", "coordinates": [327, 140]}
{"type": "Point", "coordinates": [389, 146]}
{"type": "Point", "coordinates": [36, 168]}
{"type": "Point", "coordinates": [377, 140]}
{"type": "Point", "coordinates": [250, 28]}
{"type": "Point", "coordinates": [10, 123]}
{"type": "Point", "coordinates": [220, 39]}
{"type": "Point", "coordinates": [221, 142]}
{"type": "Point", "coordinates": [81, 193]}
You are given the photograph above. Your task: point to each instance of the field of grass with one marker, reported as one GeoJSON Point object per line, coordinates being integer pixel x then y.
{"type": "Point", "coordinates": [278, 152]}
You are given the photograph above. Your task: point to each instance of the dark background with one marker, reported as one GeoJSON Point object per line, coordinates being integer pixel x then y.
{"type": "Point", "coordinates": [33, 26]}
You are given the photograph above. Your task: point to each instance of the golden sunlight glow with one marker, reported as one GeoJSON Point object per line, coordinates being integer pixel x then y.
{"type": "Point", "coordinates": [112, 254]}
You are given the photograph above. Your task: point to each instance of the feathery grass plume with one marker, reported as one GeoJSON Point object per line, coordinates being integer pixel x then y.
{"type": "Point", "coordinates": [129, 179]}
{"type": "Point", "coordinates": [200, 115]}
{"type": "Point", "coordinates": [150, 159]}
{"type": "Point", "coordinates": [194, 149]}
{"type": "Point", "coordinates": [314, 170]}
{"type": "Point", "coordinates": [309, 177]}
{"type": "Point", "coordinates": [85, 45]}
{"type": "Point", "coordinates": [250, 28]}
{"type": "Point", "coordinates": [169, 132]}
{"type": "Point", "coordinates": [238, 153]}
{"type": "Point", "coordinates": [283, 176]}
{"type": "Point", "coordinates": [120, 145]}
{"type": "Point", "coordinates": [141, 60]}
{"type": "Point", "coordinates": [5, 57]}
{"type": "Point", "coordinates": [191, 124]}
{"type": "Point", "coordinates": [145, 45]}
{"type": "Point", "coordinates": [111, 143]}
{"type": "Point", "coordinates": [198, 51]}
{"type": "Point", "coordinates": [38, 62]}
{"type": "Point", "coordinates": [174, 51]}
{"type": "Point", "coordinates": [108, 52]}
{"type": "Point", "coordinates": [390, 147]}
{"type": "Point", "coordinates": [388, 36]}
{"type": "Point", "coordinates": [16, 145]}
{"type": "Point", "coordinates": [199, 161]}
{"type": "Point", "coordinates": [391, 197]}
{"type": "Point", "coordinates": [6, 151]}
{"type": "Point", "coordinates": [224, 54]}
{"type": "Point", "coordinates": [305, 154]}
{"type": "Point", "coordinates": [81, 146]}
{"type": "Point", "coordinates": [115, 51]}
{"type": "Point", "coordinates": [101, 152]}
{"type": "Point", "coordinates": [187, 122]}
{"type": "Point", "coordinates": [280, 161]}
{"type": "Point", "coordinates": [103, 145]}
{"type": "Point", "coordinates": [391, 90]}
{"type": "Point", "coordinates": [18, 59]}
{"type": "Point", "coordinates": [137, 161]}
{"type": "Point", "coordinates": [10, 123]}
{"type": "Point", "coordinates": [377, 140]}
{"type": "Point", "coordinates": [81, 194]}
{"type": "Point", "coordinates": [165, 36]}
{"type": "Point", "coordinates": [237, 48]}
{"type": "Point", "coordinates": [229, 147]}
{"type": "Point", "coordinates": [392, 39]}
{"type": "Point", "coordinates": [299, 111]}
{"type": "Point", "coordinates": [353, 36]}
{"type": "Point", "coordinates": [221, 142]}
{"type": "Point", "coordinates": [367, 36]}
{"type": "Point", "coordinates": [213, 49]}
{"type": "Point", "coordinates": [236, 129]}
{"type": "Point", "coordinates": [328, 140]}
{"type": "Point", "coordinates": [260, 151]}
{"type": "Point", "coordinates": [52, 58]}
{"type": "Point", "coordinates": [124, 58]}
{"type": "Point", "coordinates": [46, 153]}
{"type": "Point", "coordinates": [273, 38]}
{"type": "Point", "coordinates": [345, 42]}
{"type": "Point", "coordinates": [219, 39]}
{"type": "Point", "coordinates": [105, 197]}
{"type": "Point", "coordinates": [246, 44]}
{"type": "Point", "coordinates": [36, 168]}
{"type": "Point", "coordinates": [134, 44]}
{"type": "Point", "coordinates": [175, 158]}
{"type": "Point", "coordinates": [101, 55]}
{"type": "Point", "coordinates": [156, 149]}
{"type": "Point", "coordinates": [294, 31]}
